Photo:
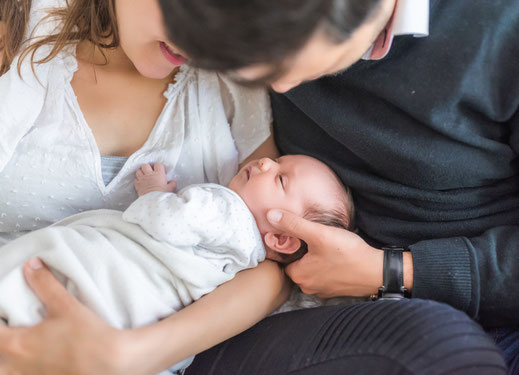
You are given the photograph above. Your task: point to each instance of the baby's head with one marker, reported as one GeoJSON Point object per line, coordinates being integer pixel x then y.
{"type": "Point", "coordinates": [296, 183]}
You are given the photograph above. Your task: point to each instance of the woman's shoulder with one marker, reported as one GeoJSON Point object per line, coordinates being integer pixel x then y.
{"type": "Point", "coordinates": [26, 86]}
{"type": "Point", "coordinates": [40, 24]}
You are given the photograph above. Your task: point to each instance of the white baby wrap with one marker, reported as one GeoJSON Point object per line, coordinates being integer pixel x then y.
{"type": "Point", "coordinates": [133, 268]}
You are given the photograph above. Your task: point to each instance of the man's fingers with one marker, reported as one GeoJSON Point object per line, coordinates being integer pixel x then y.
{"type": "Point", "coordinates": [296, 226]}
{"type": "Point", "coordinates": [49, 290]}
{"type": "Point", "coordinates": [291, 270]}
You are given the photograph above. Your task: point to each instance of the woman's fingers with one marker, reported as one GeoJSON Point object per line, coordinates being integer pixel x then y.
{"type": "Point", "coordinates": [47, 288]}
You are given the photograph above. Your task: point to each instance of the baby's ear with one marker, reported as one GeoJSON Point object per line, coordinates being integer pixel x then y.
{"type": "Point", "coordinates": [282, 243]}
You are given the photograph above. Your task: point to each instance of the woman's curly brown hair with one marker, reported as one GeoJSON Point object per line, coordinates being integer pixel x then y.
{"type": "Point", "coordinates": [81, 20]}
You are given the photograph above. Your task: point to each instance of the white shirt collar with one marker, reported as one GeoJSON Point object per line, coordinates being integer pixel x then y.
{"type": "Point", "coordinates": [411, 17]}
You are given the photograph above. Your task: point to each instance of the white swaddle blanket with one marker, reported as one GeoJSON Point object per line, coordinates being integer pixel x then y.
{"type": "Point", "coordinates": [133, 268]}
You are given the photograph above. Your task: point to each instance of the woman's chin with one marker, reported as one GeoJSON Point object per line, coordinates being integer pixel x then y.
{"type": "Point", "coordinates": [155, 71]}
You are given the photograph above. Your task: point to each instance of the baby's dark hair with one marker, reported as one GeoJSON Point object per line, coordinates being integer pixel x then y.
{"type": "Point", "coordinates": [342, 216]}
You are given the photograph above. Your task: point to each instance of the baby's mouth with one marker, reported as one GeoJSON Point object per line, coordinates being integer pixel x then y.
{"type": "Point", "coordinates": [247, 173]}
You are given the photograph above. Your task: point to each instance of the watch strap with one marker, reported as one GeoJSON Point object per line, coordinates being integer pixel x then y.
{"type": "Point", "coordinates": [393, 274]}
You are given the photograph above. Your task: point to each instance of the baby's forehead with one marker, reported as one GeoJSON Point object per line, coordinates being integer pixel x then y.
{"type": "Point", "coordinates": [316, 178]}
{"type": "Point", "coordinates": [298, 161]}
{"type": "Point", "coordinates": [308, 167]}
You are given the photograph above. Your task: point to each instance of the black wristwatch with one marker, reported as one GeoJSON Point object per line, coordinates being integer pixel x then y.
{"type": "Point", "coordinates": [393, 275]}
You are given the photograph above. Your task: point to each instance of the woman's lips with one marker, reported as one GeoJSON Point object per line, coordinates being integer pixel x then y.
{"type": "Point", "coordinates": [172, 57]}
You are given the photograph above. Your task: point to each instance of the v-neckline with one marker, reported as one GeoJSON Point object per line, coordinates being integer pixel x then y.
{"type": "Point", "coordinates": [170, 93]}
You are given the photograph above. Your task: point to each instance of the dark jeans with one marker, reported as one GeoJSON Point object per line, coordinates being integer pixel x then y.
{"type": "Point", "coordinates": [383, 337]}
{"type": "Point", "coordinates": [507, 339]}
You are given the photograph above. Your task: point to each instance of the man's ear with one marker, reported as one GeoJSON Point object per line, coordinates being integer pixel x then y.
{"type": "Point", "coordinates": [282, 243]}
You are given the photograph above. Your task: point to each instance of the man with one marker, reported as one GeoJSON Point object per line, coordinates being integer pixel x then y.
{"type": "Point", "coordinates": [423, 129]}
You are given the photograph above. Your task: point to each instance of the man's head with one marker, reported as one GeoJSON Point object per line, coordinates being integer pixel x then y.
{"type": "Point", "coordinates": [296, 183]}
{"type": "Point", "coordinates": [280, 42]}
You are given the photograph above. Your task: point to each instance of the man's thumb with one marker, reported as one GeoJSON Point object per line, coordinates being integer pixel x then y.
{"type": "Point", "coordinates": [292, 224]}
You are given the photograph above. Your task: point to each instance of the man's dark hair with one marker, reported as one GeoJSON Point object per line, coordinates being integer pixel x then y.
{"type": "Point", "coordinates": [226, 35]}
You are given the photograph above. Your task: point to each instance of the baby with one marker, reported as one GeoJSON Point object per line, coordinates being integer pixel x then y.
{"type": "Point", "coordinates": [296, 183]}
{"type": "Point", "coordinates": [167, 250]}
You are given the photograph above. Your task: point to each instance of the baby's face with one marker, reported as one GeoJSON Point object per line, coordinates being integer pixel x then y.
{"type": "Point", "coordinates": [294, 183]}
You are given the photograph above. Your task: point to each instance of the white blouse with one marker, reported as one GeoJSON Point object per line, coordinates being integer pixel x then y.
{"type": "Point", "coordinates": [50, 165]}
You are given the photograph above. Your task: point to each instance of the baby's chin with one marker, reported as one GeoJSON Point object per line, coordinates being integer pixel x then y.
{"type": "Point", "coordinates": [233, 185]}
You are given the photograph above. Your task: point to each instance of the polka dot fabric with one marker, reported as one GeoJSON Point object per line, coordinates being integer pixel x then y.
{"type": "Point", "coordinates": [50, 165]}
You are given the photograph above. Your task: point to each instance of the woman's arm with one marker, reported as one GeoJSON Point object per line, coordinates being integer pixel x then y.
{"type": "Point", "coordinates": [73, 340]}
{"type": "Point", "coordinates": [228, 310]}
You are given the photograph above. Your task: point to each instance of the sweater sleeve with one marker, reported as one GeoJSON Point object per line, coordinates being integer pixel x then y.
{"type": "Point", "coordinates": [479, 275]}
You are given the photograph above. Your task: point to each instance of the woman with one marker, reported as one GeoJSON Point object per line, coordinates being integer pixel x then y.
{"type": "Point", "coordinates": [94, 94]}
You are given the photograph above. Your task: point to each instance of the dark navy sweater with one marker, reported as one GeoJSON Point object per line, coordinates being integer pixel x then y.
{"type": "Point", "coordinates": [428, 139]}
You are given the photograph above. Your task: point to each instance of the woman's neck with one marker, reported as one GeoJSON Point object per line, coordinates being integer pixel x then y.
{"type": "Point", "coordinates": [113, 59]}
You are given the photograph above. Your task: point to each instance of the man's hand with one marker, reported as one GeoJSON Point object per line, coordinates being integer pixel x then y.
{"type": "Point", "coordinates": [148, 179]}
{"type": "Point", "coordinates": [338, 262]}
{"type": "Point", "coordinates": [70, 340]}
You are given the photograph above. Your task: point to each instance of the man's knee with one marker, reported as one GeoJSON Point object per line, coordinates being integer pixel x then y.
{"type": "Point", "coordinates": [410, 336]}
{"type": "Point", "coordinates": [427, 337]}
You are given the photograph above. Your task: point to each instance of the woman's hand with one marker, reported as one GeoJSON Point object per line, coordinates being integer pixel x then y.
{"type": "Point", "coordinates": [70, 340]}
{"type": "Point", "coordinates": [338, 262]}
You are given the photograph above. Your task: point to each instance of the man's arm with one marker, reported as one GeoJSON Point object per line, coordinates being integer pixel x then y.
{"type": "Point", "coordinates": [478, 275]}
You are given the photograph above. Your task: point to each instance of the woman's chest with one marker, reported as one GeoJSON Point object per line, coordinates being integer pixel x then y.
{"type": "Point", "coordinates": [52, 176]}
{"type": "Point", "coordinates": [120, 108]}
{"type": "Point", "coordinates": [56, 171]}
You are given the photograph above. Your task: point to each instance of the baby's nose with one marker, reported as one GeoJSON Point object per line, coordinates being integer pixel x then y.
{"type": "Point", "coordinates": [265, 164]}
